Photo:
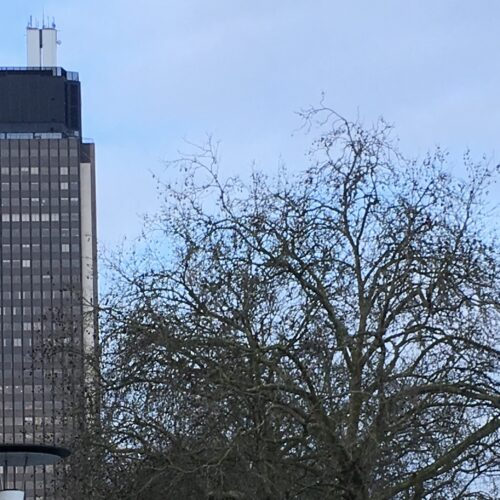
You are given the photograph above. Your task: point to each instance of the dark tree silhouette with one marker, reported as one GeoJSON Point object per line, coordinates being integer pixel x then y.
{"type": "Point", "coordinates": [332, 334]}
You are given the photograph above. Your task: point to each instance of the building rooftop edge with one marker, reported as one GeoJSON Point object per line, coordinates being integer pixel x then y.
{"type": "Point", "coordinates": [55, 70]}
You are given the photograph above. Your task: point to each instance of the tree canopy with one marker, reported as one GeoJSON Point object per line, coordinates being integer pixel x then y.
{"type": "Point", "coordinates": [326, 334]}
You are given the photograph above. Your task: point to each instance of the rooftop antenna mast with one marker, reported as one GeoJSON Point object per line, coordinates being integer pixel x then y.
{"type": "Point", "coordinates": [42, 44]}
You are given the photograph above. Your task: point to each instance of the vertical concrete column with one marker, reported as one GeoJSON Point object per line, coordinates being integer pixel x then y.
{"type": "Point", "coordinates": [87, 255]}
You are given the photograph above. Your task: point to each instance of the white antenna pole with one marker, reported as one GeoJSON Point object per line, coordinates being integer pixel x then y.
{"type": "Point", "coordinates": [49, 47]}
{"type": "Point", "coordinates": [42, 45]}
{"type": "Point", "coordinates": [34, 45]}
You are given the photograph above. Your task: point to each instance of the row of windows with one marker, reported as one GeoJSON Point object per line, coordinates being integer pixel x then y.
{"type": "Point", "coordinates": [38, 331]}
{"type": "Point", "coordinates": [28, 419]}
{"type": "Point", "coordinates": [46, 263]}
{"type": "Point", "coordinates": [43, 164]}
{"type": "Point", "coordinates": [43, 217]}
{"type": "Point", "coordinates": [35, 294]}
{"type": "Point", "coordinates": [38, 260]}
{"type": "Point", "coordinates": [20, 389]}
{"type": "Point", "coordinates": [18, 342]}
{"type": "Point", "coordinates": [43, 202]}
{"type": "Point", "coordinates": [49, 283]}
{"type": "Point", "coordinates": [26, 379]}
{"type": "Point", "coordinates": [29, 485]}
{"type": "Point", "coordinates": [44, 231]}
{"type": "Point", "coordinates": [36, 254]}
{"type": "Point", "coordinates": [35, 186]}
{"type": "Point", "coordinates": [22, 469]}
{"type": "Point", "coordinates": [27, 311]}
{"type": "Point", "coordinates": [14, 152]}
{"type": "Point", "coordinates": [38, 373]}
{"type": "Point", "coordinates": [35, 170]}
{"type": "Point", "coordinates": [53, 171]}
{"type": "Point", "coordinates": [40, 402]}
{"type": "Point", "coordinates": [49, 403]}
{"type": "Point", "coordinates": [35, 248]}
{"type": "Point", "coordinates": [39, 405]}
{"type": "Point", "coordinates": [15, 265]}
{"type": "Point", "coordinates": [53, 279]}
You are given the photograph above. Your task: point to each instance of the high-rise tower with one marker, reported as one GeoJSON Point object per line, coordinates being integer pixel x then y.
{"type": "Point", "coordinates": [47, 254]}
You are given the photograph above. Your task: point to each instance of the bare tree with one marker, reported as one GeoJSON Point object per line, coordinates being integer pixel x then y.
{"type": "Point", "coordinates": [332, 334]}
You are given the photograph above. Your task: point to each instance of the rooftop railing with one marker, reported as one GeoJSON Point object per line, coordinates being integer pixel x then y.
{"type": "Point", "coordinates": [39, 135]}
{"type": "Point", "coordinates": [56, 71]}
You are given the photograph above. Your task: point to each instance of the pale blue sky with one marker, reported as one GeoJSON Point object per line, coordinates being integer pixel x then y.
{"type": "Point", "coordinates": [157, 72]}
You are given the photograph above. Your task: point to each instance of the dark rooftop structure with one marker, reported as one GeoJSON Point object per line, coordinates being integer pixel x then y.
{"type": "Point", "coordinates": [39, 100]}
